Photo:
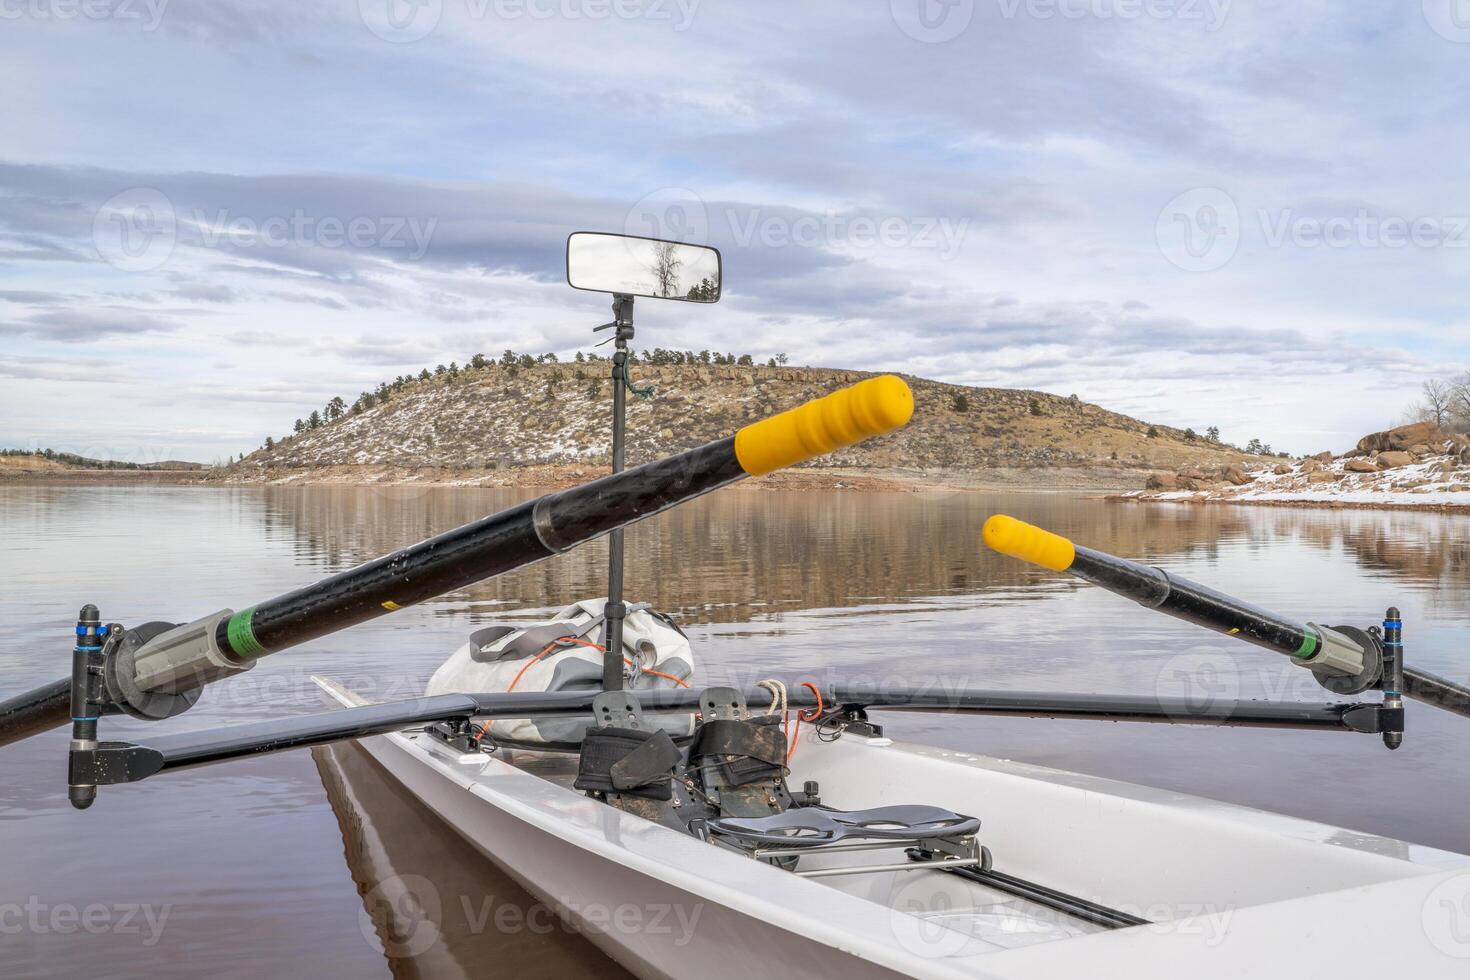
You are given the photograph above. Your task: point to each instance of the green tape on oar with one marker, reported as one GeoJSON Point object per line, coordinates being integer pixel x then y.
{"type": "Point", "coordinates": [1311, 642]}
{"type": "Point", "coordinates": [241, 636]}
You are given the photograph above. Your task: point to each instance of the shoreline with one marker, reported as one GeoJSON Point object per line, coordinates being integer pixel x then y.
{"type": "Point", "coordinates": [560, 476]}
{"type": "Point", "coordinates": [1428, 506]}
{"type": "Point", "coordinates": [1114, 486]}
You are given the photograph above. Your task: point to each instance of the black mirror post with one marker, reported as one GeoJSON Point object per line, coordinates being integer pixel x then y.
{"type": "Point", "coordinates": [615, 610]}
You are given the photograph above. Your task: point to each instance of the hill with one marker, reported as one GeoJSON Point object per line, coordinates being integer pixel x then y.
{"type": "Point", "coordinates": [26, 464]}
{"type": "Point", "coordinates": [549, 423]}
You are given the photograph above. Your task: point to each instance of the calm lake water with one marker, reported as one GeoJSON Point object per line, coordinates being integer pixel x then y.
{"type": "Point", "coordinates": [271, 867]}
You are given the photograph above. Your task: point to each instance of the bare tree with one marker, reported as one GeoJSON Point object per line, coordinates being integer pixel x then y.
{"type": "Point", "coordinates": [1445, 402]}
{"type": "Point", "coordinates": [666, 268]}
{"type": "Point", "coordinates": [1459, 403]}
{"type": "Point", "coordinates": [1438, 397]}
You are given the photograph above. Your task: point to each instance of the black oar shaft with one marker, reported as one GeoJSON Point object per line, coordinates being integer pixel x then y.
{"type": "Point", "coordinates": [35, 711]}
{"type": "Point", "coordinates": [1438, 691]}
{"type": "Point", "coordinates": [1195, 603]}
{"type": "Point", "coordinates": [1326, 651]}
{"type": "Point", "coordinates": [539, 529]}
{"type": "Point", "coordinates": [511, 539]}
{"type": "Point", "coordinates": [1348, 663]}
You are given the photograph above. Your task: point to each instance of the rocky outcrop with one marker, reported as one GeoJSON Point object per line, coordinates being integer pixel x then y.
{"type": "Point", "coordinates": [1402, 437]}
{"type": "Point", "coordinates": [1421, 473]}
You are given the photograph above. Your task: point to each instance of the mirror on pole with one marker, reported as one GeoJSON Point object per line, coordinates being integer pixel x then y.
{"type": "Point", "coordinates": [632, 266]}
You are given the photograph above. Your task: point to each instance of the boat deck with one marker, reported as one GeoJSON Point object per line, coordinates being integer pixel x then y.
{"type": "Point", "coordinates": [944, 901]}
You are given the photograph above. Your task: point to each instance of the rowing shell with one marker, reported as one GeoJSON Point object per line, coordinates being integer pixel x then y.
{"type": "Point", "coordinates": [1221, 890]}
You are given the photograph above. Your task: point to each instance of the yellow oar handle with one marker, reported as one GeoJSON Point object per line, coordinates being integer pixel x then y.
{"type": "Point", "coordinates": [869, 408]}
{"type": "Point", "coordinates": [1028, 543]}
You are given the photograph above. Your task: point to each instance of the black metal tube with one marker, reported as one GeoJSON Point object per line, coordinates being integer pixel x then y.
{"type": "Point", "coordinates": [1195, 603]}
{"type": "Point", "coordinates": [511, 539]}
{"type": "Point", "coordinates": [1107, 707]}
{"type": "Point", "coordinates": [1437, 691]}
{"type": "Point", "coordinates": [201, 748]}
{"type": "Point", "coordinates": [1393, 672]}
{"type": "Point", "coordinates": [35, 711]}
{"type": "Point", "coordinates": [614, 611]}
{"type": "Point", "coordinates": [86, 699]}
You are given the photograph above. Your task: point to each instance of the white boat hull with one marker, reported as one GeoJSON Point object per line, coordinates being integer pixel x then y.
{"type": "Point", "coordinates": [1229, 891]}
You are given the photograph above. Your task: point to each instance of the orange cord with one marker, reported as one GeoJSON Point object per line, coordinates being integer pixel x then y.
{"type": "Point", "coordinates": [817, 711]}
{"type": "Point", "coordinates": [802, 716]}
{"type": "Point", "coordinates": [561, 641]}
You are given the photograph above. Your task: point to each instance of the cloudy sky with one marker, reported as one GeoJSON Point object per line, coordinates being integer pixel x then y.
{"type": "Point", "coordinates": [217, 214]}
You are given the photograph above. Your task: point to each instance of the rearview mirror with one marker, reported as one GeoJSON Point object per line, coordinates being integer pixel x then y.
{"type": "Point", "coordinates": [632, 266]}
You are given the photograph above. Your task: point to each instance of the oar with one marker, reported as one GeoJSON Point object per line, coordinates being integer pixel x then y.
{"type": "Point", "coordinates": [154, 673]}
{"type": "Point", "coordinates": [1345, 660]}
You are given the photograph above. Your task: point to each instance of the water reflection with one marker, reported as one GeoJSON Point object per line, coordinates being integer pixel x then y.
{"type": "Point", "coordinates": [439, 907]}
{"type": "Point", "coordinates": [737, 555]}
{"type": "Point", "coordinates": [884, 586]}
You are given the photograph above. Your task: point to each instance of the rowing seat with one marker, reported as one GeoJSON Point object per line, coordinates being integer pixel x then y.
{"type": "Point", "coordinates": [932, 836]}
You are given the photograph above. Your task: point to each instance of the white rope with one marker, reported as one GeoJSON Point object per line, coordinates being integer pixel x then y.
{"type": "Point", "coordinates": [778, 695]}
